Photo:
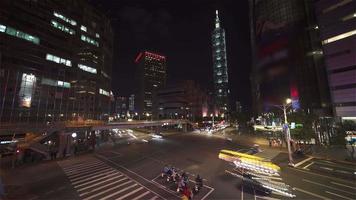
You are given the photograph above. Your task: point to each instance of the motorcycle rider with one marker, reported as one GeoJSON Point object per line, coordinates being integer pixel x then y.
{"type": "Point", "coordinates": [199, 181]}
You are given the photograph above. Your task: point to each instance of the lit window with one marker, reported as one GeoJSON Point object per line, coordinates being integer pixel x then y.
{"type": "Point", "coordinates": [22, 35]}
{"type": "Point", "coordinates": [61, 27]}
{"type": "Point", "coordinates": [27, 89]}
{"type": "Point", "coordinates": [58, 60]}
{"type": "Point", "coordinates": [219, 73]}
{"type": "Point", "coordinates": [97, 35]}
{"type": "Point", "coordinates": [55, 83]}
{"type": "Point", "coordinates": [220, 90]}
{"type": "Point", "coordinates": [62, 17]}
{"type": "Point", "coordinates": [2, 28]}
{"type": "Point", "coordinates": [104, 92]}
{"type": "Point", "coordinates": [89, 40]}
{"type": "Point", "coordinates": [87, 68]}
{"type": "Point", "coordinates": [83, 28]}
{"type": "Point", "coordinates": [339, 37]}
{"type": "Point", "coordinates": [60, 83]}
{"type": "Point", "coordinates": [219, 81]}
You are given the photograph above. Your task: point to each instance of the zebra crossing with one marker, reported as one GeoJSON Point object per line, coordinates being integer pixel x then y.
{"type": "Point", "coordinates": [94, 179]}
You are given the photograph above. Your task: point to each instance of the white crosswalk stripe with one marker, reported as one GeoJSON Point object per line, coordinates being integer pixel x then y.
{"type": "Point", "coordinates": [94, 179]}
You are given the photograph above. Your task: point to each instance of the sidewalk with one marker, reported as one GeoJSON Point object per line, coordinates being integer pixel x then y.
{"type": "Point", "coordinates": [329, 153]}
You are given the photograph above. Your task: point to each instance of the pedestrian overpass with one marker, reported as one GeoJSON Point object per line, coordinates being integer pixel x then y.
{"type": "Point", "coordinates": [63, 131]}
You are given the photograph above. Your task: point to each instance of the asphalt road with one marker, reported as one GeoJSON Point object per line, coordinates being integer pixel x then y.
{"type": "Point", "coordinates": [131, 171]}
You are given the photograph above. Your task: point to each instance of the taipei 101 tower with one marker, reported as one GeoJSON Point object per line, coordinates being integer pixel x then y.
{"type": "Point", "coordinates": [221, 90]}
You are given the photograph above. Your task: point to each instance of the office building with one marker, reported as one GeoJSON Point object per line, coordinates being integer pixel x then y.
{"type": "Point", "coordinates": [182, 100]}
{"type": "Point", "coordinates": [55, 61]}
{"type": "Point", "coordinates": [221, 90]}
{"type": "Point", "coordinates": [287, 57]}
{"type": "Point", "coordinates": [132, 103]}
{"type": "Point", "coordinates": [337, 27]}
{"type": "Point", "coordinates": [151, 76]}
{"type": "Point", "coordinates": [121, 105]}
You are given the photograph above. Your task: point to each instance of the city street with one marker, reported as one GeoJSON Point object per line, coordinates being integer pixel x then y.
{"type": "Point", "coordinates": [131, 171]}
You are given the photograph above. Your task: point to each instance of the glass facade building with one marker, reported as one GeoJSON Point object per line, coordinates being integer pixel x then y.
{"type": "Point", "coordinates": [221, 85]}
{"type": "Point", "coordinates": [337, 27]}
{"type": "Point", "coordinates": [287, 57]}
{"type": "Point", "coordinates": [48, 70]}
{"type": "Point", "coordinates": [151, 76]}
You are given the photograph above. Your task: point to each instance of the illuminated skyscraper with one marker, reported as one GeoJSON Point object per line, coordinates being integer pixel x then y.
{"type": "Point", "coordinates": [55, 61]}
{"type": "Point", "coordinates": [221, 91]}
{"type": "Point", "coordinates": [151, 76]}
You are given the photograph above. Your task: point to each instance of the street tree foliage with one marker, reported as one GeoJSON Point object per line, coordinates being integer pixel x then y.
{"type": "Point", "coordinates": [304, 130]}
{"type": "Point", "coordinates": [340, 134]}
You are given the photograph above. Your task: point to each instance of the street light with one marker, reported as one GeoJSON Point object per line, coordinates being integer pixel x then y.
{"type": "Point", "coordinates": [284, 107]}
{"type": "Point", "coordinates": [212, 115]}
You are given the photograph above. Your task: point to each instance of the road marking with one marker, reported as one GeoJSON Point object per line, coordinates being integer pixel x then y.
{"type": "Point", "coordinates": [96, 189]}
{"type": "Point", "coordinates": [312, 194]}
{"type": "Point", "coordinates": [106, 174]}
{"type": "Point", "coordinates": [97, 171]}
{"type": "Point", "coordinates": [306, 167]}
{"type": "Point", "coordinates": [309, 172]}
{"type": "Point", "coordinates": [327, 168]}
{"type": "Point", "coordinates": [120, 191]}
{"type": "Point", "coordinates": [342, 171]}
{"type": "Point", "coordinates": [309, 181]}
{"type": "Point", "coordinates": [343, 185]}
{"type": "Point", "coordinates": [79, 169]}
{"type": "Point", "coordinates": [338, 195]}
{"type": "Point", "coordinates": [92, 181]}
{"type": "Point", "coordinates": [141, 195]}
{"type": "Point", "coordinates": [90, 175]}
{"type": "Point", "coordinates": [267, 198]}
{"type": "Point", "coordinates": [75, 167]}
{"type": "Point", "coordinates": [112, 162]}
{"type": "Point", "coordinates": [86, 171]}
{"type": "Point", "coordinates": [71, 166]}
{"type": "Point", "coordinates": [335, 165]}
{"type": "Point", "coordinates": [303, 161]}
{"type": "Point", "coordinates": [212, 189]}
{"type": "Point", "coordinates": [242, 192]}
{"type": "Point", "coordinates": [128, 194]}
{"type": "Point", "coordinates": [109, 189]}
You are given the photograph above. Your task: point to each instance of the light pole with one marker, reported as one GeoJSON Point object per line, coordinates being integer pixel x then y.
{"type": "Point", "coordinates": [285, 106]}
{"type": "Point", "coordinates": [212, 115]}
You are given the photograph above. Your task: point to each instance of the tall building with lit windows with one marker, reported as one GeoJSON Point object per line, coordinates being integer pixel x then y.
{"type": "Point", "coordinates": [288, 60]}
{"type": "Point", "coordinates": [55, 61]}
{"type": "Point", "coordinates": [221, 85]}
{"type": "Point", "coordinates": [151, 76]}
{"type": "Point", "coordinates": [337, 27]}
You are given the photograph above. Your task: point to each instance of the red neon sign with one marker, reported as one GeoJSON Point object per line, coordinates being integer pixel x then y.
{"type": "Point", "coordinates": [138, 57]}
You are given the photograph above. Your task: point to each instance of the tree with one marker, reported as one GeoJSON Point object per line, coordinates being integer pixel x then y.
{"type": "Point", "coordinates": [304, 130]}
{"type": "Point", "coordinates": [340, 136]}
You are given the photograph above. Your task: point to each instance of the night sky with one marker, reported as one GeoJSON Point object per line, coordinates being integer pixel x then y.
{"type": "Point", "coordinates": [180, 30]}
